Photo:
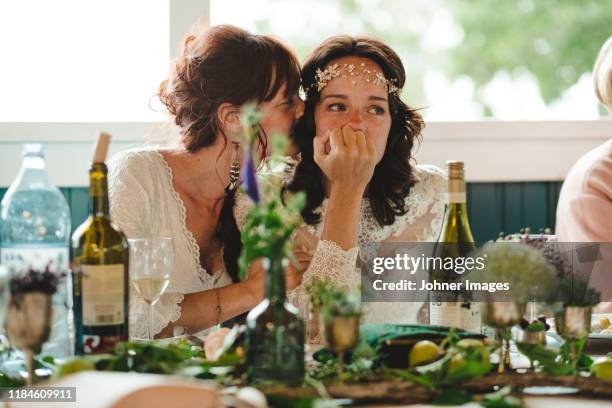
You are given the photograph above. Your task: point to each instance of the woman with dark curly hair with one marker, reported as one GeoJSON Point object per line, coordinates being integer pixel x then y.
{"type": "Point", "coordinates": [356, 139]}
{"type": "Point", "coordinates": [188, 193]}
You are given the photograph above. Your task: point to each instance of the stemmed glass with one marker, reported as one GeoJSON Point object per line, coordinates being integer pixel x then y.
{"type": "Point", "coordinates": [151, 262]}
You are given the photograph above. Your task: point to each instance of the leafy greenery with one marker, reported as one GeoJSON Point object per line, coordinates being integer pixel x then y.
{"type": "Point", "coordinates": [536, 326]}
{"type": "Point", "coordinates": [584, 361]}
{"type": "Point", "coordinates": [453, 396]}
{"type": "Point", "coordinates": [547, 360]}
{"type": "Point", "coordinates": [141, 357]}
{"type": "Point", "coordinates": [555, 40]}
{"type": "Point", "coordinates": [362, 366]}
{"type": "Point", "coordinates": [556, 363]}
{"type": "Point", "coordinates": [267, 230]}
{"type": "Point", "coordinates": [10, 382]}
{"type": "Point", "coordinates": [270, 221]}
{"type": "Point", "coordinates": [9, 378]}
{"type": "Point", "coordinates": [500, 399]}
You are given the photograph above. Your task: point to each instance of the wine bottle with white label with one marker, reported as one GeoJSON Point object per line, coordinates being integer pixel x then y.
{"type": "Point", "coordinates": [455, 241]}
{"type": "Point", "coordinates": [100, 268]}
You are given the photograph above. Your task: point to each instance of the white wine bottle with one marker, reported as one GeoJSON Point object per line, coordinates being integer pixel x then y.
{"type": "Point", "coordinates": [100, 268]}
{"type": "Point", "coordinates": [455, 241]}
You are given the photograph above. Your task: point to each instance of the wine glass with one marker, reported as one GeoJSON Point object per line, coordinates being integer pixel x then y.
{"type": "Point", "coordinates": [28, 324]}
{"type": "Point", "coordinates": [151, 262]}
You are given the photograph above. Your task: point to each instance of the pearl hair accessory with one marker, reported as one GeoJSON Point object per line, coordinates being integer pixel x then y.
{"type": "Point", "coordinates": [359, 72]}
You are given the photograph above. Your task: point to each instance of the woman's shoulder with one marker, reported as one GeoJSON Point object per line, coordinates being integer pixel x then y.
{"type": "Point", "coordinates": [134, 159]}
{"type": "Point", "coordinates": [139, 168]}
{"type": "Point", "coordinates": [429, 178]}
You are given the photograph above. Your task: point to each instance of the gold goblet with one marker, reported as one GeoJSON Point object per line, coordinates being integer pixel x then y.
{"type": "Point", "coordinates": [501, 316]}
{"type": "Point", "coordinates": [573, 323]}
{"type": "Point", "coordinates": [341, 334]}
{"type": "Point", "coordinates": [28, 324]}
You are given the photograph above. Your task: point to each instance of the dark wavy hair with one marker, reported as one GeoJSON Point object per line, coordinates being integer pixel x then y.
{"type": "Point", "coordinates": [225, 64]}
{"type": "Point", "coordinates": [393, 176]}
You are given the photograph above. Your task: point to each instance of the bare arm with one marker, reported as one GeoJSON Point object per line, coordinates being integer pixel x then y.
{"type": "Point", "coordinates": [199, 310]}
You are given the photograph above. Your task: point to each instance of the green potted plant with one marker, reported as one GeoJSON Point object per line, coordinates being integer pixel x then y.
{"type": "Point", "coordinates": [275, 333]}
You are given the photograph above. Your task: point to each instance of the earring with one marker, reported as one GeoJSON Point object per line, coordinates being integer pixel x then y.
{"type": "Point", "coordinates": [234, 173]}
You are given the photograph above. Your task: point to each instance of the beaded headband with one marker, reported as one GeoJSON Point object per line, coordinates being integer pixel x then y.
{"type": "Point", "coordinates": [322, 77]}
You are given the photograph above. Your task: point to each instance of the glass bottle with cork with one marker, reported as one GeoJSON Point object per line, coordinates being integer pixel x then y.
{"type": "Point", "coordinates": [100, 268]}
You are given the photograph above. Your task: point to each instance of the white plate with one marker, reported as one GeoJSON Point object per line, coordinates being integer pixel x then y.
{"type": "Point", "coordinates": [594, 319]}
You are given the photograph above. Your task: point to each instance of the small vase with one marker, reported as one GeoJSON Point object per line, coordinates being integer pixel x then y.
{"type": "Point", "coordinates": [275, 334]}
{"type": "Point", "coordinates": [534, 337]}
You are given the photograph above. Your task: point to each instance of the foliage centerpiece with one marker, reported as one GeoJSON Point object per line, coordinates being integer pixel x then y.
{"type": "Point", "coordinates": [275, 333]}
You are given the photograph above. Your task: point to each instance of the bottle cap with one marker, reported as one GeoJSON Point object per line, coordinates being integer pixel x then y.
{"type": "Point", "coordinates": [455, 169]}
{"type": "Point", "coordinates": [101, 148]}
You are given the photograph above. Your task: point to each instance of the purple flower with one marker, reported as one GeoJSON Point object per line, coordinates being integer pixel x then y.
{"type": "Point", "coordinates": [249, 177]}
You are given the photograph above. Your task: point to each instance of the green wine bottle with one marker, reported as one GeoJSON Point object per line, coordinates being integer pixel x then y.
{"type": "Point", "coordinates": [275, 334]}
{"type": "Point", "coordinates": [100, 269]}
{"type": "Point", "coordinates": [448, 308]}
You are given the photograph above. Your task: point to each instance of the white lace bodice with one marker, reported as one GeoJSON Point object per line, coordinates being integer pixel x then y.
{"type": "Point", "coordinates": [144, 204]}
{"type": "Point", "coordinates": [422, 222]}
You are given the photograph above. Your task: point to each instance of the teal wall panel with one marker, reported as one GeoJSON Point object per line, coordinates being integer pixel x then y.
{"type": "Point", "coordinates": [485, 207]}
{"type": "Point", "coordinates": [535, 206]}
{"type": "Point", "coordinates": [512, 209]}
{"type": "Point", "coordinates": [492, 207]}
{"type": "Point", "coordinates": [79, 206]}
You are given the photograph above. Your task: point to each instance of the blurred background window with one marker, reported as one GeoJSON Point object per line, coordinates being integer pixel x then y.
{"type": "Point", "coordinates": [82, 61]}
{"type": "Point", "coordinates": [465, 60]}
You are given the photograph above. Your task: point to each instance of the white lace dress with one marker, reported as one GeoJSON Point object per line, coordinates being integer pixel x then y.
{"type": "Point", "coordinates": [144, 204]}
{"type": "Point", "coordinates": [421, 223]}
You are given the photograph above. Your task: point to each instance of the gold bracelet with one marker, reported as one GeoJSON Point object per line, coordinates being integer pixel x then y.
{"type": "Point", "coordinates": [218, 309]}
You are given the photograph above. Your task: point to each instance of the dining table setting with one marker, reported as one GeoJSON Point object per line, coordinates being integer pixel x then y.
{"type": "Point", "coordinates": [545, 343]}
{"type": "Point", "coordinates": [385, 366]}
{"type": "Point", "coordinates": [527, 354]}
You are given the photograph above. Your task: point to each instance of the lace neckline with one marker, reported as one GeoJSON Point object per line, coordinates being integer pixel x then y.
{"type": "Point", "coordinates": [194, 248]}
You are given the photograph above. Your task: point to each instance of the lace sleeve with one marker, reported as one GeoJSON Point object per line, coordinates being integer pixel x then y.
{"type": "Point", "coordinates": [131, 210]}
{"type": "Point", "coordinates": [328, 262]}
{"type": "Point", "coordinates": [332, 262]}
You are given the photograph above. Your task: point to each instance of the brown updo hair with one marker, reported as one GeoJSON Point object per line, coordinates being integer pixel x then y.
{"type": "Point", "coordinates": [393, 176]}
{"type": "Point", "coordinates": [225, 64]}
